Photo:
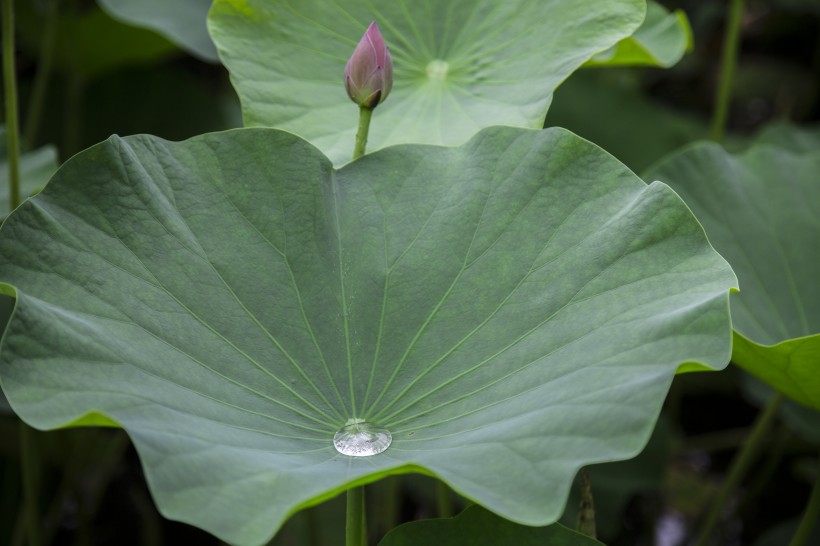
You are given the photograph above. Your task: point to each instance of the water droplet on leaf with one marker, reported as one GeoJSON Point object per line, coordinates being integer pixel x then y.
{"type": "Point", "coordinates": [359, 438]}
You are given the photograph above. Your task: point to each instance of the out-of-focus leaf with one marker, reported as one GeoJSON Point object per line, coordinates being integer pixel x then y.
{"type": "Point", "coordinates": [637, 130]}
{"type": "Point", "coordinates": [792, 137]}
{"type": "Point", "coordinates": [36, 167]}
{"type": "Point", "coordinates": [661, 40]}
{"type": "Point", "coordinates": [90, 42]}
{"type": "Point", "coordinates": [782, 534]}
{"type": "Point", "coordinates": [761, 210]}
{"type": "Point", "coordinates": [478, 527]}
{"type": "Point", "coordinates": [182, 21]}
{"type": "Point", "coordinates": [803, 421]}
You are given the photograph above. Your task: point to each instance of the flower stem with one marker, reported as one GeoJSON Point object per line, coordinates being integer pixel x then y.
{"type": "Point", "coordinates": [810, 517]}
{"type": "Point", "coordinates": [586, 510]}
{"type": "Point", "coordinates": [444, 500]}
{"type": "Point", "coordinates": [41, 78]}
{"type": "Point", "coordinates": [29, 461]}
{"type": "Point", "coordinates": [355, 528]}
{"type": "Point", "coordinates": [728, 63]}
{"type": "Point", "coordinates": [361, 135]}
{"type": "Point", "coordinates": [740, 464]}
{"type": "Point", "coordinates": [10, 87]}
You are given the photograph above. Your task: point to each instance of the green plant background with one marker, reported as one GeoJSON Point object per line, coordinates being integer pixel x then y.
{"type": "Point", "coordinates": [91, 482]}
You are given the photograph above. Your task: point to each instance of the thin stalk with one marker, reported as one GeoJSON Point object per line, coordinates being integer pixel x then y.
{"type": "Point", "coordinates": [29, 459]}
{"type": "Point", "coordinates": [72, 117]}
{"type": "Point", "coordinates": [38, 91]}
{"type": "Point", "coordinates": [10, 86]}
{"type": "Point", "coordinates": [728, 63]}
{"type": "Point", "coordinates": [444, 500]}
{"type": "Point", "coordinates": [386, 507]}
{"type": "Point", "coordinates": [810, 517]}
{"type": "Point", "coordinates": [586, 510]}
{"type": "Point", "coordinates": [356, 525]}
{"type": "Point", "coordinates": [361, 135]}
{"type": "Point", "coordinates": [740, 464]}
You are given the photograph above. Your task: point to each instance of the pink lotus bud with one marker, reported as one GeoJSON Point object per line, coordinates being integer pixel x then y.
{"type": "Point", "coordinates": [369, 72]}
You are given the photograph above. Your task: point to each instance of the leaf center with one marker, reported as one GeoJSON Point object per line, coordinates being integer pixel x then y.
{"type": "Point", "coordinates": [437, 69]}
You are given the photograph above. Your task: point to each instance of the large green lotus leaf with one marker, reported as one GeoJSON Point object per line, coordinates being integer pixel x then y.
{"type": "Point", "coordinates": [478, 527]}
{"type": "Point", "coordinates": [459, 66]}
{"type": "Point", "coordinates": [182, 21]}
{"type": "Point", "coordinates": [760, 209]}
{"type": "Point", "coordinates": [510, 310]}
{"type": "Point", "coordinates": [661, 40]}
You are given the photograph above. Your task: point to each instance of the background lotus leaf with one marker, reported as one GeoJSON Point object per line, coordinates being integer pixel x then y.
{"type": "Point", "coordinates": [78, 35]}
{"type": "Point", "coordinates": [662, 40]}
{"type": "Point", "coordinates": [36, 167]}
{"type": "Point", "coordinates": [478, 527]}
{"type": "Point", "coordinates": [510, 310]}
{"type": "Point", "coordinates": [458, 66]}
{"type": "Point", "coordinates": [760, 209]}
{"type": "Point", "coordinates": [182, 21]}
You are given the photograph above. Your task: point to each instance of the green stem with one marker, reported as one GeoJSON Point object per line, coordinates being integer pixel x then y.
{"type": "Point", "coordinates": [29, 459]}
{"type": "Point", "coordinates": [810, 517]}
{"type": "Point", "coordinates": [10, 86]}
{"type": "Point", "coordinates": [444, 500]}
{"type": "Point", "coordinates": [740, 464]}
{"type": "Point", "coordinates": [41, 78]}
{"type": "Point", "coordinates": [386, 506]}
{"type": "Point", "coordinates": [355, 528]}
{"type": "Point", "coordinates": [361, 135]}
{"type": "Point", "coordinates": [586, 511]}
{"type": "Point", "coordinates": [728, 63]}
{"type": "Point", "coordinates": [73, 127]}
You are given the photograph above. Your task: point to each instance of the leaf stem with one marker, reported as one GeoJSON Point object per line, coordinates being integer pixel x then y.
{"type": "Point", "coordinates": [728, 63]}
{"type": "Point", "coordinates": [29, 461]}
{"type": "Point", "coordinates": [586, 510]}
{"type": "Point", "coordinates": [444, 500]}
{"type": "Point", "coordinates": [10, 87]}
{"type": "Point", "coordinates": [810, 517]}
{"type": "Point", "coordinates": [740, 464]}
{"type": "Point", "coordinates": [41, 78]}
{"type": "Point", "coordinates": [355, 528]}
{"type": "Point", "coordinates": [365, 114]}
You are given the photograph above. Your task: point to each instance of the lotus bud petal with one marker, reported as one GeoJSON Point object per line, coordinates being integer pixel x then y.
{"type": "Point", "coordinates": [369, 72]}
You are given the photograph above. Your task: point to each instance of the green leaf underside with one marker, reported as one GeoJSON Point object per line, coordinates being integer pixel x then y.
{"type": "Point", "coordinates": [510, 310]}
{"type": "Point", "coordinates": [662, 40]}
{"type": "Point", "coordinates": [760, 209]}
{"type": "Point", "coordinates": [182, 21]}
{"type": "Point", "coordinates": [502, 59]}
{"type": "Point", "coordinates": [478, 527]}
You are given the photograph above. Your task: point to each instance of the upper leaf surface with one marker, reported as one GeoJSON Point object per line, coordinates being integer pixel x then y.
{"type": "Point", "coordinates": [510, 310]}
{"type": "Point", "coordinates": [459, 66]}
